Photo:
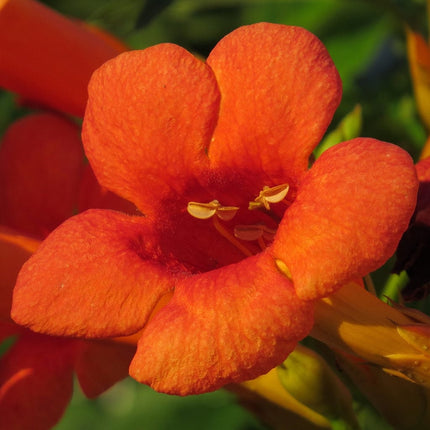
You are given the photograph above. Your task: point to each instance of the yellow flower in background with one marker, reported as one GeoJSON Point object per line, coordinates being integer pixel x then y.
{"type": "Point", "coordinates": [419, 63]}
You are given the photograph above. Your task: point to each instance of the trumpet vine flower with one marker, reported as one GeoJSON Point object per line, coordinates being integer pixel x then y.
{"type": "Point", "coordinates": [41, 167]}
{"type": "Point", "coordinates": [47, 58]}
{"type": "Point", "coordinates": [236, 237]}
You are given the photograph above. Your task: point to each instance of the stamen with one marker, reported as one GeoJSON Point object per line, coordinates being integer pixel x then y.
{"type": "Point", "coordinates": [253, 232]}
{"type": "Point", "coordinates": [227, 235]}
{"type": "Point", "coordinates": [226, 213]}
{"type": "Point", "coordinates": [208, 210]}
{"type": "Point", "coordinates": [269, 195]}
{"type": "Point", "coordinates": [261, 243]}
{"type": "Point", "coordinates": [248, 232]}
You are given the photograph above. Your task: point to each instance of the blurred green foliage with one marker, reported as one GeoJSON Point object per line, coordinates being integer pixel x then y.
{"type": "Point", "coordinates": [131, 406]}
{"type": "Point", "coordinates": [367, 42]}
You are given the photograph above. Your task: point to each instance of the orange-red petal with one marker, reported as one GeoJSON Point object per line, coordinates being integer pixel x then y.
{"type": "Point", "coordinates": [101, 364]}
{"type": "Point", "coordinates": [47, 58]}
{"type": "Point", "coordinates": [93, 196]}
{"type": "Point", "coordinates": [15, 249]}
{"type": "Point", "coordinates": [279, 91]}
{"type": "Point", "coordinates": [222, 326]}
{"type": "Point", "coordinates": [423, 170]}
{"type": "Point", "coordinates": [149, 120]}
{"type": "Point", "coordinates": [41, 162]}
{"type": "Point", "coordinates": [36, 382]}
{"type": "Point", "coordinates": [349, 215]}
{"type": "Point", "coordinates": [97, 275]}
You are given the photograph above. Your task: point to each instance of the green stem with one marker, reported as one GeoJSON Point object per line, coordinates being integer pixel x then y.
{"type": "Point", "coordinates": [393, 286]}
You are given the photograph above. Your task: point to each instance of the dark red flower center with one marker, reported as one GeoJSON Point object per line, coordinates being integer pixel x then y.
{"type": "Point", "coordinates": [248, 238]}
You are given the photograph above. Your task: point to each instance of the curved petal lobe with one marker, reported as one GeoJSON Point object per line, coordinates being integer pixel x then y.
{"type": "Point", "coordinates": [279, 91]}
{"type": "Point", "coordinates": [349, 215]}
{"type": "Point", "coordinates": [149, 119]}
{"type": "Point", "coordinates": [223, 326]}
{"type": "Point", "coordinates": [97, 275]}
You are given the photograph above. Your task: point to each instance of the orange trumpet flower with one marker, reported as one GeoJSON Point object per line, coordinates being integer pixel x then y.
{"type": "Point", "coordinates": [238, 236]}
{"type": "Point", "coordinates": [41, 168]}
{"type": "Point", "coordinates": [47, 58]}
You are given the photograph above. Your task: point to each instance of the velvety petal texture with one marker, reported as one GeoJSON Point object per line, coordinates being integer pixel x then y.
{"type": "Point", "coordinates": [47, 58]}
{"type": "Point", "coordinates": [97, 275]}
{"type": "Point", "coordinates": [348, 217]}
{"type": "Point", "coordinates": [227, 325]}
{"type": "Point", "coordinates": [279, 90]}
{"type": "Point", "coordinates": [36, 382]}
{"type": "Point", "coordinates": [169, 101]}
{"type": "Point", "coordinates": [41, 163]}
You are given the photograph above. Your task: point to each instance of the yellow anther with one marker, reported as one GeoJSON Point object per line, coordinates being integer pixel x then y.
{"type": "Point", "coordinates": [208, 210]}
{"type": "Point", "coordinates": [226, 213]}
{"type": "Point", "coordinates": [253, 232]}
{"type": "Point", "coordinates": [269, 195]}
{"type": "Point", "coordinates": [203, 210]}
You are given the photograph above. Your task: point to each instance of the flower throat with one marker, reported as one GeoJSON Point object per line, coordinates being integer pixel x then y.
{"type": "Point", "coordinates": [259, 232]}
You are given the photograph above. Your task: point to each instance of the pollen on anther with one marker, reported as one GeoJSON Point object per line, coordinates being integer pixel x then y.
{"type": "Point", "coordinates": [208, 210]}
{"type": "Point", "coordinates": [270, 195]}
{"type": "Point", "coordinates": [203, 210]}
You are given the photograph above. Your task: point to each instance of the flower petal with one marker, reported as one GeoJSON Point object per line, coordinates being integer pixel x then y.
{"type": "Point", "coordinates": [148, 122]}
{"type": "Point", "coordinates": [279, 91]}
{"type": "Point", "coordinates": [349, 215]}
{"type": "Point", "coordinates": [14, 251]}
{"type": "Point", "coordinates": [36, 382]}
{"type": "Point", "coordinates": [41, 162]}
{"type": "Point", "coordinates": [223, 326]}
{"type": "Point", "coordinates": [54, 69]}
{"type": "Point", "coordinates": [101, 364]}
{"type": "Point", "coordinates": [93, 196]}
{"type": "Point", "coordinates": [97, 275]}
{"type": "Point", "coordinates": [423, 170]}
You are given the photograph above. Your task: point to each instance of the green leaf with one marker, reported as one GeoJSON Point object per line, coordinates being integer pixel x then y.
{"type": "Point", "coordinates": [348, 128]}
